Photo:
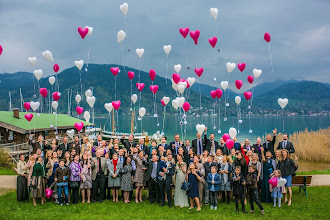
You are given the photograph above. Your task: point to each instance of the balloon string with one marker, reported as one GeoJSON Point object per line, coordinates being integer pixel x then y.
{"type": "Point", "coordinates": [131, 94]}
{"type": "Point", "coordinates": [117, 122]}
{"type": "Point", "coordinates": [140, 100]}
{"type": "Point", "coordinates": [283, 119]}
{"type": "Point", "coordinates": [34, 85]}
{"type": "Point", "coordinates": [219, 115]}
{"type": "Point", "coordinates": [164, 119]}
{"type": "Point", "coordinates": [185, 43]}
{"type": "Point", "coordinates": [156, 109]}
{"type": "Point", "coordinates": [89, 49]}
{"type": "Point", "coordinates": [139, 69]}
{"type": "Point", "coordinates": [214, 65]}
{"type": "Point", "coordinates": [126, 29]}
{"type": "Point", "coordinates": [80, 82]}
{"type": "Point", "coordinates": [141, 127]}
{"type": "Point", "coordinates": [238, 117]}
{"type": "Point", "coordinates": [166, 68]}
{"type": "Point", "coordinates": [115, 87]}
{"type": "Point", "coordinates": [270, 56]}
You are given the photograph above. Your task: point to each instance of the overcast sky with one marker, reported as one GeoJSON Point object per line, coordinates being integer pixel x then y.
{"type": "Point", "coordinates": [300, 33]}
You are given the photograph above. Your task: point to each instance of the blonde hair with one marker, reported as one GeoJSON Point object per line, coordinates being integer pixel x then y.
{"type": "Point", "coordinates": [287, 153]}
{"type": "Point", "coordinates": [279, 172]}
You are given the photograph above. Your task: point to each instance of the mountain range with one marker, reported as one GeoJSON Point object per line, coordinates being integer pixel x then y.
{"type": "Point", "coordinates": [304, 96]}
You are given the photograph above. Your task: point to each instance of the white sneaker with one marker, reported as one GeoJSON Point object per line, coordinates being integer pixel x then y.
{"type": "Point", "coordinates": [211, 207]}
{"type": "Point", "coordinates": [216, 207]}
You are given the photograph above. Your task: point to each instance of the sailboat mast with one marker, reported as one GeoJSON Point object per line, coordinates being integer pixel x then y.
{"type": "Point", "coordinates": [9, 101]}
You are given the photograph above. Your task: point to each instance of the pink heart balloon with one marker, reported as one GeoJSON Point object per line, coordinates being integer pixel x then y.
{"type": "Point", "coordinates": [250, 79]}
{"type": "Point", "coordinates": [184, 31]}
{"type": "Point", "coordinates": [176, 78]}
{"type": "Point", "coordinates": [184, 80]}
{"type": "Point", "coordinates": [154, 89]}
{"type": "Point", "coordinates": [48, 192]}
{"type": "Point", "coordinates": [56, 96]}
{"type": "Point", "coordinates": [273, 181]}
{"type": "Point", "coordinates": [195, 35]}
{"type": "Point", "coordinates": [1, 50]}
{"type": "Point", "coordinates": [199, 71]}
{"type": "Point", "coordinates": [27, 106]}
{"type": "Point", "coordinates": [28, 117]}
{"type": "Point", "coordinates": [219, 93]}
{"type": "Point", "coordinates": [225, 136]}
{"type": "Point", "coordinates": [248, 95]}
{"type": "Point", "coordinates": [116, 104]}
{"type": "Point", "coordinates": [152, 74]}
{"type": "Point", "coordinates": [267, 37]}
{"type": "Point", "coordinates": [56, 68]}
{"type": "Point", "coordinates": [79, 110]}
{"type": "Point", "coordinates": [230, 144]}
{"type": "Point", "coordinates": [130, 74]}
{"type": "Point", "coordinates": [114, 70]}
{"type": "Point", "coordinates": [186, 106]}
{"type": "Point", "coordinates": [43, 92]}
{"type": "Point", "coordinates": [79, 125]}
{"type": "Point", "coordinates": [162, 101]}
{"type": "Point", "coordinates": [213, 41]}
{"type": "Point", "coordinates": [140, 86]}
{"type": "Point", "coordinates": [238, 84]}
{"type": "Point", "coordinates": [241, 66]}
{"type": "Point", "coordinates": [83, 32]}
{"type": "Point", "coordinates": [213, 94]}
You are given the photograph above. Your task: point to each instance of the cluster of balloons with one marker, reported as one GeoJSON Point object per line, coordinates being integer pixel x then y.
{"type": "Point", "coordinates": [84, 31]}
{"type": "Point", "coordinates": [216, 93]}
{"type": "Point", "coordinates": [277, 182]}
{"type": "Point", "coordinates": [226, 137]}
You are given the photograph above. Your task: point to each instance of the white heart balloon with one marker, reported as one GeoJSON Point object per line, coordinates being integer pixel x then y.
{"type": "Point", "coordinates": [134, 98]}
{"type": "Point", "coordinates": [142, 112]}
{"type": "Point", "coordinates": [108, 107]}
{"type": "Point", "coordinates": [191, 80]}
{"type": "Point", "coordinates": [167, 49]}
{"type": "Point", "coordinates": [214, 12]}
{"type": "Point", "coordinates": [282, 102]}
{"type": "Point", "coordinates": [90, 30]}
{"type": "Point", "coordinates": [166, 100]}
{"type": "Point", "coordinates": [175, 86]}
{"type": "Point", "coordinates": [175, 104]}
{"type": "Point", "coordinates": [181, 88]}
{"type": "Point", "coordinates": [185, 84]}
{"type": "Point", "coordinates": [124, 8]}
{"type": "Point", "coordinates": [121, 35]}
{"type": "Point", "coordinates": [200, 128]}
{"type": "Point", "coordinates": [90, 101]}
{"type": "Point", "coordinates": [88, 93]}
{"type": "Point", "coordinates": [48, 55]}
{"type": "Point", "coordinates": [38, 74]}
{"type": "Point", "coordinates": [70, 133]}
{"type": "Point", "coordinates": [87, 116]}
{"type": "Point", "coordinates": [224, 85]}
{"type": "Point", "coordinates": [55, 104]}
{"type": "Point", "coordinates": [281, 182]}
{"type": "Point", "coordinates": [257, 73]}
{"type": "Point", "coordinates": [177, 68]}
{"type": "Point", "coordinates": [79, 64]}
{"type": "Point", "coordinates": [78, 98]}
{"type": "Point", "coordinates": [230, 66]}
{"type": "Point", "coordinates": [34, 105]}
{"type": "Point", "coordinates": [232, 132]}
{"type": "Point", "coordinates": [238, 100]}
{"type": "Point", "coordinates": [51, 80]}
{"type": "Point", "coordinates": [181, 101]}
{"type": "Point", "coordinates": [32, 61]}
{"type": "Point", "coordinates": [139, 52]}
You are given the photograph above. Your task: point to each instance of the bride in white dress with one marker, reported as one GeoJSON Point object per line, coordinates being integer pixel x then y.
{"type": "Point", "coordinates": [180, 196]}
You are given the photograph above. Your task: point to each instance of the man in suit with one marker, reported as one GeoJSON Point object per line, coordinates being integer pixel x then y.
{"type": "Point", "coordinates": [121, 156]}
{"type": "Point", "coordinates": [99, 171]}
{"type": "Point", "coordinates": [285, 144]}
{"type": "Point", "coordinates": [39, 144]}
{"type": "Point", "coordinates": [201, 183]}
{"type": "Point", "coordinates": [247, 146]}
{"type": "Point", "coordinates": [166, 181]}
{"type": "Point", "coordinates": [161, 152]}
{"type": "Point", "coordinates": [174, 145]}
{"type": "Point", "coordinates": [76, 145]}
{"type": "Point", "coordinates": [210, 144]}
{"type": "Point", "coordinates": [153, 146]}
{"type": "Point", "coordinates": [198, 144]}
{"type": "Point", "coordinates": [164, 143]}
{"type": "Point", "coordinates": [98, 141]}
{"type": "Point", "coordinates": [186, 148]}
{"type": "Point", "coordinates": [223, 147]}
{"type": "Point", "coordinates": [207, 169]}
{"type": "Point", "coordinates": [257, 148]}
{"type": "Point", "coordinates": [152, 179]}
{"type": "Point", "coordinates": [269, 145]}
{"type": "Point", "coordinates": [237, 146]}
{"type": "Point", "coordinates": [141, 146]}
{"type": "Point", "coordinates": [128, 144]}
{"type": "Point", "coordinates": [65, 146]}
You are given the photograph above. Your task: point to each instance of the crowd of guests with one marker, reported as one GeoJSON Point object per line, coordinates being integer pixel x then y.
{"type": "Point", "coordinates": [201, 172]}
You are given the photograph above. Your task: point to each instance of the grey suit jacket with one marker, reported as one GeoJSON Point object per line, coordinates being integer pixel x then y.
{"type": "Point", "coordinates": [103, 166]}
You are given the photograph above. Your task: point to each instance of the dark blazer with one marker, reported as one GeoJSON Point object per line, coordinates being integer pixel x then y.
{"type": "Point", "coordinates": [36, 145]}
{"type": "Point", "coordinates": [63, 148]}
{"type": "Point", "coordinates": [237, 146]}
{"type": "Point", "coordinates": [271, 146]}
{"type": "Point", "coordinates": [185, 151]}
{"type": "Point", "coordinates": [256, 150]}
{"type": "Point", "coordinates": [238, 187]}
{"type": "Point", "coordinates": [289, 147]}
{"type": "Point", "coordinates": [128, 144]}
{"type": "Point", "coordinates": [169, 174]}
{"type": "Point", "coordinates": [224, 149]}
{"type": "Point", "coordinates": [207, 167]}
{"type": "Point", "coordinates": [173, 149]}
{"type": "Point", "coordinates": [208, 144]}
{"type": "Point", "coordinates": [166, 146]}
{"type": "Point", "coordinates": [144, 148]}
{"type": "Point", "coordinates": [149, 170]}
{"type": "Point", "coordinates": [75, 146]}
{"type": "Point", "coordinates": [194, 145]}
{"type": "Point", "coordinates": [216, 184]}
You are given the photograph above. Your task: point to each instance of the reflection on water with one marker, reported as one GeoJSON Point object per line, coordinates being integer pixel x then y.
{"type": "Point", "coordinates": [309, 166]}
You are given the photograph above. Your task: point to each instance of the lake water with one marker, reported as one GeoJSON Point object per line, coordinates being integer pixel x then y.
{"type": "Point", "coordinates": [259, 125]}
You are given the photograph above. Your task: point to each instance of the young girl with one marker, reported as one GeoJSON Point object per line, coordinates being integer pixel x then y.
{"type": "Point", "coordinates": [225, 184]}
{"type": "Point", "coordinates": [232, 156]}
{"type": "Point", "coordinates": [276, 191]}
{"type": "Point", "coordinates": [238, 184]}
{"type": "Point", "coordinates": [86, 177]}
{"type": "Point", "coordinates": [213, 181]}
{"type": "Point", "coordinates": [218, 156]}
{"type": "Point", "coordinates": [204, 157]}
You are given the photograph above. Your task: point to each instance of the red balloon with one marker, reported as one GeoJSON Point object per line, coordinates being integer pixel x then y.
{"type": "Point", "coordinates": [186, 106]}
{"type": "Point", "coordinates": [28, 117]}
{"type": "Point", "coordinates": [213, 94]}
{"type": "Point", "coordinates": [152, 74]}
{"type": "Point", "coordinates": [241, 66]}
{"type": "Point", "coordinates": [219, 93]}
{"type": "Point", "coordinates": [184, 31]}
{"type": "Point", "coordinates": [162, 101]}
{"type": "Point", "coordinates": [213, 41]}
{"type": "Point", "coordinates": [83, 32]}
{"type": "Point", "coordinates": [154, 89]}
{"type": "Point", "coordinates": [195, 35]}
{"type": "Point", "coordinates": [79, 110]}
{"type": "Point", "coordinates": [248, 95]}
{"type": "Point", "coordinates": [130, 74]}
{"type": "Point", "coordinates": [199, 71]}
{"type": "Point", "coordinates": [27, 106]}
{"type": "Point", "coordinates": [230, 144]}
{"type": "Point", "coordinates": [56, 68]}
{"type": "Point", "coordinates": [250, 79]}
{"type": "Point", "coordinates": [176, 77]}
{"type": "Point", "coordinates": [114, 70]}
{"type": "Point", "coordinates": [267, 37]}
{"type": "Point", "coordinates": [43, 92]}
{"type": "Point", "coordinates": [56, 96]}
{"type": "Point", "coordinates": [238, 84]}
{"type": "Point", "coordinates": [116, 104]}
{"type": "Point", "coordinates": [1, 49]}
{"type": "Point", "coordinates": [140, 86]}
{"type": "Point", "coordinates": [225, 137]}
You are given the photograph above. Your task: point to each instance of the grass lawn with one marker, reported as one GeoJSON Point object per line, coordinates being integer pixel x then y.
{"type": "Point", "coordinates": [315, 206]}
{"type": "Point", "coordinates": [6, 171]}
{"type": "Point", "coordinates": [314, 172]}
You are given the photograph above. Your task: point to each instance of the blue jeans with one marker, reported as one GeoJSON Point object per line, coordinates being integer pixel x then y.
{"type": "Point", "coordinates": [66, 193]}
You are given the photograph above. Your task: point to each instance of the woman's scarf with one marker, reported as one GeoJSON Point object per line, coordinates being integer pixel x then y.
{"type": "Point", "coordinates": [114, 164]}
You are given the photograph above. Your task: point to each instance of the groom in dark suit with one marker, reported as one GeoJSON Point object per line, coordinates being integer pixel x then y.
{"type": "Point", "coordinates": [269, 145]}
{"type": "Point", "coordinates": [285, 144]}
{"type": "Point", "coordinates": [174, 145]}
{"type": "Point", "coordinates": [210, 144]}
{"type": "Point", "coordinates": [152, 179]}
{"type": "Point", "coordinates": [198, 144]}
{"type": "Point", "coordinates": [166, 180]}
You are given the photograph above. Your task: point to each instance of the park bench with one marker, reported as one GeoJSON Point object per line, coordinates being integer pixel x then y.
{"type": "Point", "coordinates": [302, 182]}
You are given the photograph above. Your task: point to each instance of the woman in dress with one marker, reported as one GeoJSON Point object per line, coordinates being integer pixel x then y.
{"type": "Point", "coordinates": [139, 175]}
{"type": "Point", "coordinates": [193, 176]}
{"type": "Point", "coordinates": [86, 146]}
{"type": "Point", "coordinates": [114, 167]}
{"type": "Point", "coordinates": [126, 180]}
{"type": "Point", "coordinates": [39, 181]}
{"type": "Point", "coordinates": [278, 158]}
{"type": "Point", "coordinates": [75, 178]}
{"type": "Point", "coordinates": [56, 164]}
{"type": "Point", "coordinates": [191, 155]}
{"type": "Point", "coordinates": [268, 168]}
{"type": "Point", "coordinates": [180, 196]}
{"type": "Point", "coordinates": [67, 159]}
{"type": "Point", "coordinates": [32, 160]}
{"type": "Point", "coordinates": [22, 192]}
{"type": "Point", "coordinates": [86, 174]}
{"type": "Point", "coordinates": [225, 179]}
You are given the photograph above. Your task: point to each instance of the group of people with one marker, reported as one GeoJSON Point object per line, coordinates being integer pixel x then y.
{"type": "Point", "coordinates": [200, 172]}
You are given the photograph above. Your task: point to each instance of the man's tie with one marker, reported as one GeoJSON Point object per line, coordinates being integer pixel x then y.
{"type": "Point", "coordinates": [267, 145]}
{"type": "Point", "coordinates": [98, 165]}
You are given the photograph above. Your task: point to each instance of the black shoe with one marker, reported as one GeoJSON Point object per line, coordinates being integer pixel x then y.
{"type": "Point", "coordinates": [169, 205]}
{"type": "Point", "coordinates": [236, 210]}
{"type": "Point", "coordinates": [245, 212]}
{"type": "Point", "coordinates": [228, 202]}
{"type": "Point", "coordinates": [162, 204]}
{"type": "Point", "coordinates": [94, 201]}
{"type": "Point", "coordinates": [100, 200]}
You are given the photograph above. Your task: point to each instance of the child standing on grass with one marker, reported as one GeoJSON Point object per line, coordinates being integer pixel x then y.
{"type": "Point", "coordinates": [276, 191]}
{"type": "Point", "coordinates": [238, 184]}
{"type": "Point", "coordinates": [251, 182]}
{"type": "Point", "coordinates": [213, 181]}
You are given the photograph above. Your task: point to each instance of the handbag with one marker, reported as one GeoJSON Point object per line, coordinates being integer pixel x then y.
{"type": "Point", "coordinates": [185, 186]}
{"type": "Point", "coordinates": [73, 184]}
